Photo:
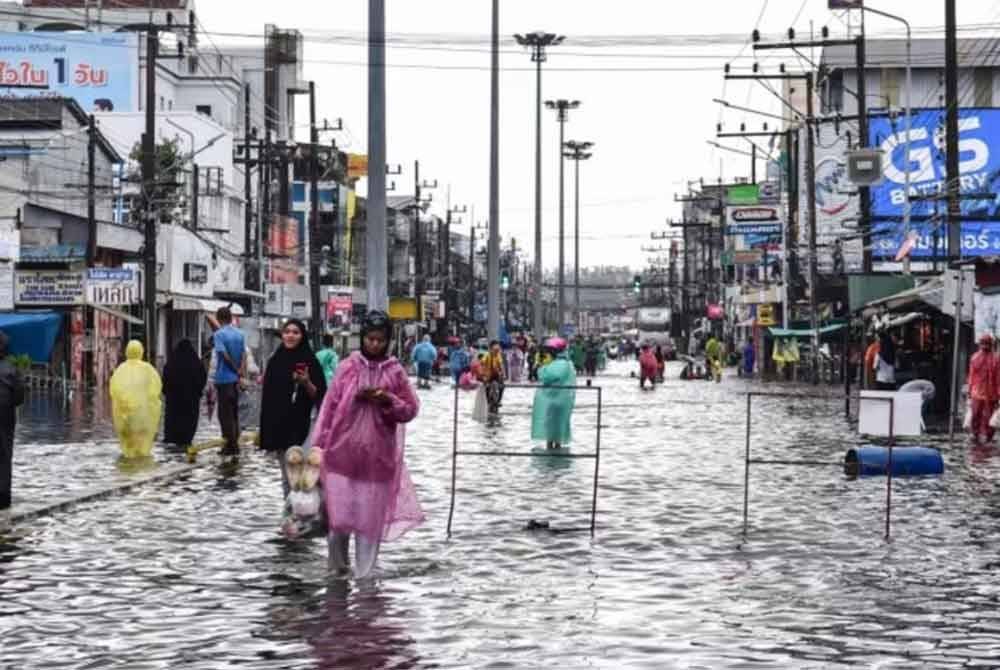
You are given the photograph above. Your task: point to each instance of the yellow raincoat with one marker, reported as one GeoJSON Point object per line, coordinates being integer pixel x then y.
{"type": "Point", "coordinates": [135, 402]}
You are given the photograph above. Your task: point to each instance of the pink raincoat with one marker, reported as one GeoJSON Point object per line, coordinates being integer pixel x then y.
{"type": "Point", "coordinates": [367, 486]}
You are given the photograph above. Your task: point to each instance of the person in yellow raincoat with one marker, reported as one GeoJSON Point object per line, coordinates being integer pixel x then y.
{"type": "Point", "coordinates": [135, 402]}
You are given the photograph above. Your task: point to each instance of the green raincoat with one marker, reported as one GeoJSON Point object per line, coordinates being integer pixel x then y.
{"type": "Point", "coordinates": [553, 408]}
{"type": "Point", "coordinates": [578, 354]}
{"type": "Point", "coordinates": [328, 360]}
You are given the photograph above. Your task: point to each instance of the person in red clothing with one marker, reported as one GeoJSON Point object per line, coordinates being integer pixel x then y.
{"type": "Point", "coordinates": [648, 367]}
{"type": "Point", "coordinates": [871, 356]}
{"type": "Point", "coordinates": [983, 372]}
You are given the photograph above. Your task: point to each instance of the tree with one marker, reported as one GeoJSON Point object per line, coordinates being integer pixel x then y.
{"type": "Point", "coordinates": [168, 194]}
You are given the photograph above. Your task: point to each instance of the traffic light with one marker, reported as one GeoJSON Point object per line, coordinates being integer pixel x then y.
{"type": "Point", "coordinates": [637, 284]}
{"type": "Point", "coordinates": [504, 280]}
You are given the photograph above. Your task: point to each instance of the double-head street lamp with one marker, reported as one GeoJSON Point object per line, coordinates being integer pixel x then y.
{"type": "Point", "coordinates": [561, 108]}
{"type": "Point", "coordinates": [577, 151]}
{"type": "Point", "coordinates": [537, 42]}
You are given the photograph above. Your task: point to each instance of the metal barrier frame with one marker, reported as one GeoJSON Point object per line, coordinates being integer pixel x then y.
{"type": "Point", "coordinates": [760, 461]}
{"type": "Point", "coordinates": [596, 455]}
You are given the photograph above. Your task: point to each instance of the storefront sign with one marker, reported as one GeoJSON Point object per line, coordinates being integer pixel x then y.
{"type": "Point", "coordinates": [98, 70]}
{"type": "Point", "coordinates": [747, 257]}
{"type": "Point", "coordinates": [755, 229]}
{"type": "Point", "coordinates": [339, 307]}
{"type": "Point", "coordinates": [48, 287]}
{"type": "Point", "coordinates": [765, 315]}
{"type": "Point", "coordinates": [196, 273]}
{"type": "Point", "coordinates": [112, 286]}
{"type": "Point", "coordinates": [6, 286]}
{"type": "Point", "coordinates": [743, 194]}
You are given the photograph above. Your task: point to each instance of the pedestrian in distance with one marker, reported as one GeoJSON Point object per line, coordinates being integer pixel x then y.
{"type": "Point", "coordinates": [983, 390]}
{"type": "Point", "coordinates": [361, 431]}
{"type": "Point", "coordinates": [885, 362]}
{"type": "Point", "coordinates": [230, 368]}
{"type": "Point", "coordinates": [294, 384]}
{"type": "Point", "coordinates": [552, 411]}
{"type": "Point", "coordinates": [11, 397]}
{"type": "Point", "coordinates": [184, 379]}
{"type": "Point", "coordinates": [328, 358]}
{"type": "Point", "coordinates": [713, 358]}
{"type": "Point", "coordinates": [648, 366]}
{"type": "Point", "coordinates": [493, 376]}
{"type": "Point", "coordinates": [590, 357]}
{"type": "Point", "coordinates": [458, 360]}
{"type": "Point", "coordinates": [424, 355]}
{"type": "Point", "coordinates": [661, 364]}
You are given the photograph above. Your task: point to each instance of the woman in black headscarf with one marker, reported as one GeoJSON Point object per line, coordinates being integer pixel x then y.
{"type": "Point", "coordinates": [294, 384]}
{"type": "Point", "coordinates": [184, 378]}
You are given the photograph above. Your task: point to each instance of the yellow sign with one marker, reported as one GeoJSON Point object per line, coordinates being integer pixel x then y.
{"type": "Point", "coordinates": [765, 315]}
{"type": "Point", "coordinates": [403, 309]}
{"type": "Point", "coordinates": [357, 166]}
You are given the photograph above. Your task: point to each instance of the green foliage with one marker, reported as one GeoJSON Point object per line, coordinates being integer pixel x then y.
{"type": "Point", "coordinates": [168, 191]}
{"type": "Point", "coordinates": [21, 361]}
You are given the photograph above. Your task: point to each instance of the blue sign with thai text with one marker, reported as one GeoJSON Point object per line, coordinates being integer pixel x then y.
{"type": "Point", "coordinates": [979, 173]}
{"type": "Point", "coordinates": [99, 70]}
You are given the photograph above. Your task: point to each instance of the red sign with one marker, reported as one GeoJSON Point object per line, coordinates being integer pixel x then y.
{"type": "Point", "coordinates": [339, 308]}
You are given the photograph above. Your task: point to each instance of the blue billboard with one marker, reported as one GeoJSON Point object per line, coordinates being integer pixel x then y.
{"type": "Point", "coordinates": [979, 170]}
{"type": "Point", "coordinates": [99, 70]}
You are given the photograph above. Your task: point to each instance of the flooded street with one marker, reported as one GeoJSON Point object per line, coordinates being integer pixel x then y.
{"type": "Point", "coordinates": [191, 573]}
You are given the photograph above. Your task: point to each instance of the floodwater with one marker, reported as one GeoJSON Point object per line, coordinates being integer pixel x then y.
{"type": "Point", "coordinates": [190, 574]}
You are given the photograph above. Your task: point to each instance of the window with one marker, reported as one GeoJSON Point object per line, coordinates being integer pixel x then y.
{"type": "Point", "coordinates": [890, 87]}
{"type": "Point", "coordinates": [983, 78]}
{"type": "Point", "coordinates": [204, 109]}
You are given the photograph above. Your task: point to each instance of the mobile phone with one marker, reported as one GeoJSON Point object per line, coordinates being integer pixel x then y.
{"type": "Point", "coordinates": [301, 368]}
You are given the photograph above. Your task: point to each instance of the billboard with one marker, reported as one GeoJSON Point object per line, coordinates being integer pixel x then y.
{"type": "Point", "coordinates": [837, 204]}
{"type": "Point", "coordinates": [979, 170]}
{"type": "Point", "coordinates": [99, 70]}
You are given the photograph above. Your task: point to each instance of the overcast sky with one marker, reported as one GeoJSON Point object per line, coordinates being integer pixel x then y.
{"type": "Point", "coordinates": [648, 109]}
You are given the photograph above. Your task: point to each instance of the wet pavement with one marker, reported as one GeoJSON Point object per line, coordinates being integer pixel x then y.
{"type": "Point", "coordinates": [191, 573]}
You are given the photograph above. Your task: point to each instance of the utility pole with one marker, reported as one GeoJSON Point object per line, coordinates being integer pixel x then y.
{"type": "Point", "coordinates": [472, 274]}
{"type": "Point", "coordinates": [91, 192]}
{"type": "Point", "coordinates": [418, 279]}
{"type": "Point", "coordinates": [811, 200]}
{"type": "Point", "coordinates": [148, 188]}
{"type": "Point", "coordinates": [248, 247]}
{"type": "Point", "coordinates": [577, 151]}
{"type": "Point", "coordinates": [561, 108]}
{"type": "Point", "coordinates": [951, 132]}
{"type": "Point", "coordinates": [537, 42]}
{"type": "Point", "coordinates": [316, 321]}
{"type": "Point", "coordinates": [493, 245]}
{"type": "Point", "coordinates": [376, 249]}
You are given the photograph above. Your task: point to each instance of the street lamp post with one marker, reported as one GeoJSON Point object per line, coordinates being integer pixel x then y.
{"type": "Point", "coordinates": [562, 108]}
{"type": "Point", "coordinates": [537, 42]}
{"type": "Point", "coordinates": [577, 151]}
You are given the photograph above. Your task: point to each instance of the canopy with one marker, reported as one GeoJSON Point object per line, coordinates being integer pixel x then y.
{"type": "Point", "coordinates": [805, 332]}
{"type": "Point", "coordinates": [32, 333]}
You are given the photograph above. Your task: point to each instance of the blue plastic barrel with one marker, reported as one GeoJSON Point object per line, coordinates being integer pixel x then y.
{"type": "Point", "coordinates": [870, 461]}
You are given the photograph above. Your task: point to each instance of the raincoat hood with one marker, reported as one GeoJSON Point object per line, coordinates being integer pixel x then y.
{"type": "Point", "coordinates": [134, 350]}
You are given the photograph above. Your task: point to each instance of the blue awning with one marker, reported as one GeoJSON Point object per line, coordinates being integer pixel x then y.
{"type": "Point", "coordinates": [32, 333]}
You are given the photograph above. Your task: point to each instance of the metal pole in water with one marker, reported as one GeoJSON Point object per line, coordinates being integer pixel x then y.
{"type": "Point", "coordinates": [597, 464]}
{"type": "Point", "coordinates": [888, 474]}
{"type": "Point", "coordinates": [746, 470]}
{"type": "Point", "coordinates": [454, 460]}
{"type": "Point", "coordinates": [954, 359]}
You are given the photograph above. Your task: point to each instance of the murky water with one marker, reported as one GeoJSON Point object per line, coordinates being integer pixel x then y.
{"type": "Point", "coordinates": [190, 574]}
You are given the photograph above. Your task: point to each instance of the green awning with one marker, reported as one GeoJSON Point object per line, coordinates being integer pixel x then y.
{"type": "Point", "coordinates": [863, 289]}
{"type": "Point", "coordinates": [805, 332]}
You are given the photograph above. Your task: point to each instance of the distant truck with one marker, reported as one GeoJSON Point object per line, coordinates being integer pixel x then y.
{"type": "Point", "coordinates": [653, 324]}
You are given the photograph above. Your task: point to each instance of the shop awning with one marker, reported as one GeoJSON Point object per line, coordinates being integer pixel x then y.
{"type": "Point", "coordinates": [929, 293]}
{"type": "Point", "coordinates": [32, 333]}
{"type": "Point", "coordinates": [183, 303]}
{"type": "Point", "coordinates": [863, 289]}
{"type": "Point", "coordinates": [805, 332]}
{"type": "Point", "coordinates": [125, 316]}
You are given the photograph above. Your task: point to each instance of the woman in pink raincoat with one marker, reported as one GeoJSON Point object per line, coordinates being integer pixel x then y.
{"type": "Point", "coordinates": [361, 431]}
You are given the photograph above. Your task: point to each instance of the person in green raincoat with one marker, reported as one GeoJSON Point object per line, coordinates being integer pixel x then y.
{"type": "Point", "coordinates": [602, 356]}
{"type": "Point", "coordinates": [577, 354]}
{"type": "Point", "coordinates": [552, 411]}
{"type": "Point", "coordinates": [328, 358]}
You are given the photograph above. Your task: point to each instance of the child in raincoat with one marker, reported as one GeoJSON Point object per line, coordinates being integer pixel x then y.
{"type": "Point", "coordinates": [552, 412]}
{"type": "Point", "coordinates": [361, 432]}
{"type": "Point", "coordinates": [135, 402]}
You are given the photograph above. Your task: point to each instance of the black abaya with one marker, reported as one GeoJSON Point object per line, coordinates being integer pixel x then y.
{"type": "Point", "coordinates": [184, 378]}
{"type": "Point", "coordinates": [286, 413]}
